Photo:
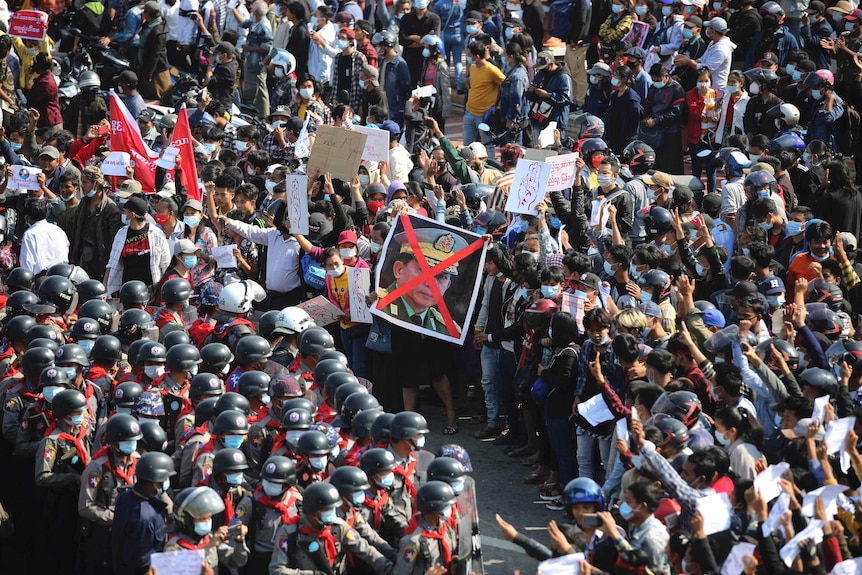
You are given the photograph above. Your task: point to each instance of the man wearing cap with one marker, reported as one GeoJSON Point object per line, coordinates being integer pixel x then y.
{"type": "Point", "coordinates": [372, 93]}
{"type": "Point", "coordinates": [43, 244]}
{"type": "Point", "coordinates": [97, 221]}
{"type": "Point", "coordinates": [635, 57]}
{"type": "Point", "coordinates": [221, 80]}
{"type": "Point", "coordinates": [549, 94]}
{"type": "Point", "coordinates": [692, 46]}
{"type": "Point", "coordinates": [414, 25]}
{"type": "Point", "coordinates": [127, 87]}
{"type": "Point", "coordinates": [347, 67]}
{"type": "Point", "coordinates": [152, 59]}
{"type": "Point", "coordinates": [717, 56]}
{"type": "Point", "coordinates": [139, 251]}
{"type": "Point", "coordinates": [147, 125]}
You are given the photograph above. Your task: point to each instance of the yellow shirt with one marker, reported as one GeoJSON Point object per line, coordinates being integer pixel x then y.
{"type": "Point", "coordinates": [484, 88]}
{"type": "Point", "coordinates": [342, 299]}
{"type": "Point", "coordinates": [27, 77]}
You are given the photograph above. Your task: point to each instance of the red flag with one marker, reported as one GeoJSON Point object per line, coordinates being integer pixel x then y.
{"type": "Point", "coordinates": [126, 137]}
{"type": "Point", "coordinates": [182, 140]}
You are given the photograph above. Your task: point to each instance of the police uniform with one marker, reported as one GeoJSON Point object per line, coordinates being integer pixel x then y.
{"type": "Point", "coordinates": [403, 490]}
{"type": "Point", "coordinates": [204, 461]}
{"type": "Point", "coordinates": [258, 446]}
{"type": "Point", "coordinates": [175, 397]}
{"type": "Point", "coordinates": [426, 547]}
{"type": "Point", "coordinates": [308, 550]}
{"type": "Point", "coordinates": [305, 475]}
{"type": "Point", "coordinates": [264, 517]}
{"type": "Point", "coordinates": [378, 511]}
{"type": "Point", "coordinates": [231, 554]}
{"type": "Point", "coordinates": [34, 424]}
{"type": "Point", "coordinates": [95, 401]}
{"type": "Point", "coordinates": [102, 482]}
{"type": "Point", "coordinates": [187, 451]}
{"type": "Point", "coordinates": [284, 354]}
{"type": "Point", "coordinates": [355, 520]}
{"type": "Point", "coordinates": [19, 396]}
{"type": "Point", "coordinates": [305, 376]}
{"type": "Point", "coordinates": [101, 379]}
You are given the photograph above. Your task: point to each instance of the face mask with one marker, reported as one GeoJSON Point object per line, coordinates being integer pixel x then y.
{"type": "Point", "coordinates": [472, 28]}
{"type": "Point", "coordinates": [688, 10]}
{"type": "Point", "coordinates": [722, 439]}
{"type": "Point", "coordinates": [272, 489]}
{"type": "Point", "coordinates": [754, 88]}
{"type": "Point", "coordinates": [533, 255]}
{"type": "Point", "coordinates": [796, 75]}
{"type": "Point", "coordinates": [609, 268]}
{"type": "Point", "coordinates": [124, 410]}
{"type": "Point", "coordinates": [446, 513]}
{"type": "Point", "coordinates": [581, 294]}
{"type": "Point", "coordinates": [191, 221]}
{"type": "Point", "coordinates": [790, 68]}
{"type": "Point", "coordinates": [71, 373]}
{"type": "Point", "coordinates": [190, 261]}
{"type": "Point", "coordinates": [77, 420]}
{"type": "Point", "coordinates": [279, 73]}
{"type": "Point", "coordinates": [16, 145]}
{"type": "Point", "coordinates": [687, 33]}
{"type": "Point", "coordinates": [336, 273]}
{"type": "Point", "coordinates": [703, 85]}
{"type": "Point", "coordinates": [317, 463]}
{"type": "Point", "coordinates": [659, 85]}
{"type": "Point", "coordinates": [31, 51]}
{"type": "Point", "coordinates": [128, 447]}
{"type": "Point", "coordinates": [819, 258]}
{"type": "Point", "coordinates": [794, 228]}
{"type": "Point", "coordinates": [745, 251]}
{"type": "Point", "coordinates": [49, 392]}
{"type": "Point", "coordinates": [426, 53]}
{"type": "Point", "coordinates": [342, 44]}
{"type": "Point", "coordinates": [522, 226]}
{"type": "Point", "coordinates": [347, 253]}
{"type": "Point", "coordinates": [522, 294]}
{"type": "Point", "coordinates": [700, 270]}
{"type": "Point", "coordinates": [617, 8]}
{"type": "Point", "coordinates": [154, 371]}
{"type": "Point", "coordinates": [233, 441]}
{"type": "Point", "coordinates": [550, 292]}
{"type": "Point", "coordinates": [848, 26]}
{"type": "Point", "coordinates": [208, 148]}
{"type": "Point", "coordinates": [362, 84]}
{"type": "Point", "coordinates": [556, 223]}
{"type": "Point", "coordinates": [375, 206]}
{"type": "Point", "coordinates": [633, 271]}
{"type": "Point", "coordinates": [161, 219]}
{"type": "Point", "coordinates": [358, 498]}
{"type": "Point", "coordinates": [731, 89]}
{"type": "Point", "coordinates": [387, 480]}
{"type": "Point", "coordinates": [775, 300]}
{"type": "Point", "coordinates": [166, 485]}
{"type": "Point", "coordinates": [458, 484]}
{"type": "Point", "coordinates": [666, 11]}
{"type": "Point", "coordinates": [805, 157]}
{"type": "Point", "coordinates": [716, 5]}
{"type": "Point", "coordinates": [509, 33]}
{"type": "Point", "coordinates": [837, 16]}
{"type": "Point", "coordinates": [306, 93]}
{"type": "Point", "coordinates": [233, 478]}
{"type": "Point", "coordinates": [204, 527]}
{"type": "Point", "coordinates": [766, 226]}
{"type": "Point", "coordinates": [605, 341]}
{"type": "Point", "coordinates": [329, 517]}
{"type": "Point", "coordinates": [817, 94]}
{"type": "Point", "coordinates": [667, 250]}
{"type": "Point", "coordinates": [626, 510]}
{"type": "Point", "coordinates": [615, 82]}
{"type": "Point", "coordinates": [641, 10]}
{"type": "Point", "coordinates": [239, 144]}
{"type": "Point", "coordinates": [420, 442]}
{"type": "Point", "coordinates": [645, 296]}
{"type": "Point", "coordinates": [605, 180]}
{"type": "Point", "coordinates": [124, 219]}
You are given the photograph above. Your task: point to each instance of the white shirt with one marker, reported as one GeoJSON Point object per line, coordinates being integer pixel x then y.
{"type": "Point", "coordinates": [171, 14]}
{"type": "Point", "coordinates": [717, 58]}
{"type": "Point", "coordinates": [42, 246]}
{"type": "Point", "coordinates": [320, 59]}
{"type": "Point", "coordinates": [187, 29]}
{"type": "Point", "coordinates": [400, 164]}
{"type": "Point", "coordinates": [282, 258]}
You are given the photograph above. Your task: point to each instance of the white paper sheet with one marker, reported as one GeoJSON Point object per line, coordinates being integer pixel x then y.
{"type": "Point", "coordinates": [773, 520]}
{"type": "Point", "coordinates": [849, 567]}
{"type": "Point", "coordinates": [224, 256]}
{"type": "Point", "coordinates": [622, 426]}
{"type": "Point", "coordinates": [297, 203]}
{"type": "Point", "coordinates": [178, 562]}
{"type": "Point", "coordinates": [819, 412]}
{"type": "Point", "coordinates": [716, 511]}
{"type": "Point", "coordinates": [595, 410]}
{"type": "Point", "coordinates": [767, 481]}
{"type": "Point", "coordinates": [563, 565]}
{"type": "Point", "coordinates": [546, 136]}
{"type": "Point", "coordinates": [734, 565]}
{"type": "Point", "coordinates": [813, 530]}
{"type": "Point", "coordinates": [24, 178]}
{"type": "Point", "coordinates": [829, 494]}
{"type": "Point", "coordinates": [358, 285]}
{"type": "Point", "coordinates": [836, 433]}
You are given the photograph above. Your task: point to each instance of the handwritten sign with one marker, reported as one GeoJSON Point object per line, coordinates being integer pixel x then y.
{"type": "Point", "coordinates": [528, 187]}
{"type": "Point", "coordinates": [168, 160]}
{"type": "Point", "coordinates": [297, 203]}
{"type": "Point", "coordinates": [28, 25]}
{"type": "Point", "coordinates": [115, 164]}
{"type": "Point", "coordinates": [563, 171]}
{"type": "Point", "coordinates": [24, 178]}
{"type": "Point", "coordinates": [321, 310]}
{"type": "Point", "coordinates": [224, 256]}
{"type": "Point", "coordinates": [302, 149]}
{"type": "Point", "coordinates": [575, 306]}
{"type": "Point", "coordinates": [178, 562]}
{"type": "Point", "coordinates": [734, 564]}
{"type": "Point", "coordinates": [376, 146]}
{"type": "Point", "coordinates": [337, 151]}
{"type": "Point", "coordinates": [358, 286]}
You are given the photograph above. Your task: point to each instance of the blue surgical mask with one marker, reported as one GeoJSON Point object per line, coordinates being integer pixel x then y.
{"type": "Point", "coordinates": [358, 498]}
{"type": "Point", "coordinates": [766, 226]}
{"type": "Point", "coordinates": [166, 485]}
{"type": "Point", "coordinates": [318, 463]}
{"type": "Point", "coordinates": [458, 484]}
{"type": "Point", "coordinates": [805, 157]}
{"type": "Point", "coordinates": [716, 5]}
{"type": "Point", "coordinates": [264, 399]}
{"type": "Point", "coordinates": [594, 79]}
{"type": "Point", "coordinates": [447, 511]}
{"type": "Point", "coordinates": [78, 420]}
{"type": "Point", "coordinates": [204, 527]}
{"type": "Point", "coordinates": [849, 26]}
{"type": "Point", "coordinates": [233, 441]}
{"type": "Point", "coordinates": [837, 16]}
{"type": "Point", "coordinates": [609, 268]}
{"type": "Point", "coordinates": [775, 300]}
{"type": "Point", "coordinates": [50, 391]}
{"type": "Point", "coordinates": [615, 82]}
{"type": "Point", "coordinates": [687, 33]}
{"type": "Point", "coordinates": [746, 251]}
{"type": "Point", "coordinates": [124, 219]}
{"type": "Point", "coordinates": [819, 258]}
{"type": "Point", "coordinates": [272, 489]}
{"type": "Point", "coordinates": [208, 148]}
{"type": "Point", "coordinates": [375, 247]}
{"type": "Point", "coordinates": [626, 510]}
{"type": "Point", "coordinates": [700, 270]}
{"type": "Point", "coordinates": [796, 75]}
{"type": "Point", "coordinates": [633, 271]}
{"type": "Point", "coordinates": [550, 292]}
{"type": "Point", "coordinates": [426, 53]}
{"type": "Point", "coordinates": [790, 68]}
{"type": "Point", "coordinates": [191, 221]}
{"type": "Point", "coordinates": [617, 8]}
{"type": "Point", "coordinates": [16, 145]}
{"type": "Point", "coordinates": [342, 44]}
{"type": "Point", "coordinates": [645, 296]}
{"type": "Point", "coordinates": [87, 344]}
{"type": "Point", "coordinates": [666, 11]}
{"type": "Point", "coordinates": [386, 480]}
{"type": "Point", "coordinates": [659, 85]}
{"type": "Point", "coordinates": [328, 517]}
{"type": "Point", "coordinates": [233, 478]}
{"type": "Point", "coordinates": [128, 446]}
{"type": "Point", "coordinates": [71, 373]}
{"type": "Point", "coordinates": [556, 223]}
{"type": "Point", "coordinates": [722, 439]}
{"type": "Point", "coordinates": [91, 193]}
{"type": "Point", "coordinates": [362, 85]}
{"type": "Point", "coordinates": [641, 10]}
{"type": "Point", "coordinates": [817, 94]}
{"type": "Point", "coordinates": [509, 33]}
{"type": "Point", "coordinates": [731, 89]}
{"type": "Point", "coordinates": [522, 225]}
{"type": "Point", "coordinates": [794, 228]}
{"type": "Point", "coordinates": [190, 261]}
{"type": "Point", "coordinates": [472, 28]}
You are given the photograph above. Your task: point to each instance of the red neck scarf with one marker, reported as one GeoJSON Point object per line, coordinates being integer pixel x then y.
{"type": "Point", "coordinates": [325, 413]}
{"type": "Point", "coordinates": [377, 507]}
{"type": "Point", "coordinates": [264, 411]}
{"type": "Point", "coordinates": [207, 447]}
{"type": "Point", "coordinates": [355, 453]}
{"type": "Point", "coordinates": [186, 544]}
{"type": "Point", "coordinates": [128, 476]}
{"type": "Point", "coordinates": [413, 525]}
{"type": "Point", "coordinates": [328, 541]}
{"type": "Point", "coordinates": [407, 475]}
{"type": "Point", "coordinates": [95, 372]}
{"type": "Point", "coordinates": [284, 508]}
{"type": "Point", "coordinates": [78, 442]}
{"type": "Point", "coordinates": [440, 535]}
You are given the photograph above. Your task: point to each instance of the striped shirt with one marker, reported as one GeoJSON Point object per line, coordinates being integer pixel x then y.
{"type": "Point", "coordinates": [498, 199]}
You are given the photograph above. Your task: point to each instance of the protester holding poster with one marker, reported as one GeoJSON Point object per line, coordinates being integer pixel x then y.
{"type": "Point", "coordinates": [44, 94]}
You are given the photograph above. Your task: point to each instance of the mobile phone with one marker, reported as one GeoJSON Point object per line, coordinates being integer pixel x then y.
{"type": "Point", "coordinates": [592, 520]}
{"type": "Point", "coordinates": [104, 130]}
{"type": "Point", "coordinates": [697, 221]}
{"type": "Point", "coordinates": [234, 530]}
{"type": "Point", "coordinates": [428, 186]}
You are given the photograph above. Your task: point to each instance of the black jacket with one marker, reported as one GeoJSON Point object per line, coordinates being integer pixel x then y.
{"type": "Point", "coordinates": [153, 53]}
{"type": "Point", "coordinates": [222, 84]}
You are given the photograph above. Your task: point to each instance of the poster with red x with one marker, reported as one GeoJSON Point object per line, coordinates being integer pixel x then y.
{"type": "Point", "coordinates": [429, 277]}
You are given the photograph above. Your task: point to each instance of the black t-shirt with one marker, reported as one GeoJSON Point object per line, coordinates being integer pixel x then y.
{"type": "Point", "coordinates": [136, 256]}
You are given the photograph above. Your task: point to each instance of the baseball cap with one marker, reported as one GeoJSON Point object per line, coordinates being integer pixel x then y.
{"type": "Point", "coordinates": [772, 285]}
{"type": "Point", "coordinates": [224, 48]}
{"type": "Point", "coordinates": [816, 7]}
{"type": "Point", "coordinates": [152, 8]}
{"type": "Point", "coordinates": [128, 188]}
{"type": "Point", "coordinates": [658, 179]}
{"type": "Point", "coordinates": [348, 31]}
{"type": "Point", "coordinates": [769, 57]}
{"type": "Point", "coordinates": [466, 153]}
{"type": "Point", "coordinates": [473, 16]}
{"type": "Point", "coordinates": [280, 111]}
{"type": "Point", "coordinates": [127, 78]}
{"type": "Point", "coordinates": [650, 309]}
{"type": "Point", "coordinates": [717, 24]}
{"type": "Point", "coordinates": [801, 430]}
{"type": "Point", "coordinates": [713, 318]}
{"type": "Point", "coordinates": [294, 124]}
{"type": "Point", "coordinates": [185, 246]}
{"type": "Point", "coordinates": [711, 202]}
{"type": "Point", "coordinates": [760, 166]}
{"type": "Point", "coordinates": [637, 52]}
{"type": "Point", "coordinates": [193, 204]}
{"type": "Point", "coordinates": [590, 280]}
{"type": "Point", "coordinates": [515, 23]}
{"type": "Point", "coordinates": [544, 59]}
{"type": "Point", "coordinates": [51, 152]}
{"type": "Point", "coordinates": [348, 237]}
{"type": "Point", "coordinates": [147, 115]}
{"type": "Point", "coordinates": [744, 289]}
{"type": "Point", "coordinates": [478, 149]}
{"type": "Point", "coordinates": [393, 129]}
{"type": "Point", "coordinates": [169, 190]}
{"type": "Point", "coordinates": [371, 72]}
{"type": "Point", "coordinates": [854, 15]}
{"type": "Point", "coordinates": [136, 205]}
{"type": "Point", "coordinates": [850, 243]}
{"type": "Point", "coordinates": [694, 22]}
{"type": "Point", "coordinates": [682, 195]}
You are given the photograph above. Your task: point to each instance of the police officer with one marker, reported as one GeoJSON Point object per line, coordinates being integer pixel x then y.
{"type": "Point", "coordinates": [252, 352]}
{"type": "Point", "coordinates": [111, 472]}
{"type": "Point", "coordinates": [433, 541]}
{"type": "Point", "coordinates": [16, 344]}
{"type": "Point", "coordinates": [175, 295]}
{"type": "Point", "coordinates": [323, 540]}
{"type": "Point", "coordinates": [85, 332]}
{"type": "Point", "coordinates": [235, 302]}
{"type": "Point", "coordinates": [289, 324]}
{"type": "Point", "coordinates": [39, 417]}
{"type": "Point", "coordinates": [449, 471]}
{"type": "Point", "coordinates": [254, 386]}
{"type": "Point", "coordinates": [135, 325]}
{"type": "Point", "coordinates": [362, 437]}
{"type": "Point", "coordinates": [262, 433]}
{"type": "Point", "coordinates": [295, 422]}
{"type": "Point", "coordinates": [201, 386]}
{"type": "Point", "coordinates": [274, 505]}
{"type": "Point", "coordinates": [138, 528]}
{"type": "Point", "coordinates": [57, 296]}
{"type": "Point", "coordinates": [181, 362]}
{"type": "Point", "coordinates": [134, 294]}
{"type": "Point", "coordinates": [194, 509]}
{"type": "Point", "coordinates": [313, 448]}
{"type": "Point", "coordinates": [377, 508]}
{"type": "Point", "coordinates": [125, 395]}
{"type": "Point", "coordinates": [227, 480]}
{"type": "Point", "coordinates": [329, 387]}
{"type": "Point", "coordinates": [61, 458]}
{"type": "Point", "coordinates": [228, 430]}
{"type": "Point", "coordinates": [23, 390]}
{"type": "Point", "coordinates": [407, 434]}
{"type": "Point", "coordinates": [187, 446]}
{"type": "Point", "coordinates": [313, 342]}
{"type": "Point", "coordinates": [151, 357]}
{"type": "Point", "coordinates": [73, 359]}
{"type": "Point", "coordinates": [99, 310]}
{"type": "Point", "coordinates": [105, 353]}
{"type": "Point", "coordinates": [216, 359]}
{"type": "Point", "coordinates": [352, 483]}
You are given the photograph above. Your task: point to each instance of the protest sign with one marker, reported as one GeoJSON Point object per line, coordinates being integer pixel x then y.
{"type": "Point", "coordinates": [528, 187]}
{"type": "Point", "coordinates": [297, 203]}
{"type": "Point", "coordinates": [321, 310]}
{"type": "Point", "coordinates": [186, 562]}
{"type": "Point", "coordinates": [538, 155]}
{"type": "Point", "coordinates": [24, 178]}
{"type": "Point", "coordinates": [563, 171]}
{"type": "Point", "coordinates": [28, 25]}
{"type": "Point", "coordinates": [336, 151]}
{"type": "Point", "coordinates": [358, 286]}
{"type": "Point", "coordinates": [115, 164]}
{"type": "Point", "coordinates": [376, 146]}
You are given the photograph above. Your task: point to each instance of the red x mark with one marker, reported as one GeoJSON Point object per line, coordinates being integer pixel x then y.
{"type": "Point", "coordinates": [428, 275]}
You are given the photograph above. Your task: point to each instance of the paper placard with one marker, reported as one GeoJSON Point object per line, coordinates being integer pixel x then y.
{"type": "Point", "coordinates": [622, 428]}
{"type": "Point", "coordinates": [358, 286]}
{"type": "Point", "coordinates": [836, 433]}
{"type": "Point", "coordinates": [115, 164]}
{"type": "Point", "coordinates": [186, 562]}
{"type": "Point", "coordinates": [302, 148]}
{"type": "Point", "coordinates": [849, 567]}
{"type": "Point", "coordinates": [29, 25]}
{"type": "Point", "coordinates": [424, 92]}
{"type": "Point", "coordinates": [24, 177]}
{"type": "Point", "coordinates": [595, 410]}
{"type": "Point", "coordinates": [546, 136]}
{"type": "Point", "coordinates": [528, 187]}
{"type": "Point", "coordinates": [337, 151]}
{"type": "Point", "coordinates": [819, 413]}
{"type": "Point", "coordinates": [224, 256]}
{"type": "Point", "coordinates": [537, 154]}
{"type": "Point", "coordinates": [829, 494]}
{"type": "Point", "coordinates": [376, 146]}
{"type": "Point", "coordinates": [716, 511]}
{"type": "Point", "coordinates": [813, 530]}
{"type": "Point", "coordinates": [767, 481]}
{"type": "Point", "coordinates": [563, 170]}
{"type": "Point", "coordinates": [321, 310]}
{"type": "Point", "coordinates": [773, 521]}
{"type": "Point", "coordinates": [734, 564]}
{"type": "Point", "coordinates": [168, 160]}
{"type": "Point", "coordinates": [575, 306]}
{"type": "Point", "coordinates": [563, 565]}
{"type": "Point", "coordinates": [297, 203]}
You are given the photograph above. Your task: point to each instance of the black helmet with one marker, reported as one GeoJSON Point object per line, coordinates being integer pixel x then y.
{"type": "Point", "coordinates": [252, 349]}
{"type": "Point", "coordinates": [59, 292]}
{"type": "Point", "coordinates": [704, 305]}
{"type": "Point", "coordinates": [407, 425]}
{"type": "Point", "coordinates": [819, 378]}
{"type": "Point", "coordinates": [182, 357]}
{"type": "Point", "coordinates": [17, 328]}
{"type": "Point", "coordinates": [348, 480]}
{"type": "Point", "coordinates": [298, 402]}
{"type": "Point", "coordinates": [205, 384]}
{"type": "Point", "coordinates": [19, 301]}
{"type": "Point", "coordinates": [72, 353]}
{"type": "Point", "coordinates": [232, 401]}
{"type": "Point", "coordinates": [154, 436]}
{"type": "Point", "coordinates": [107, 348]}
{"type": "Point", "coordinates": [176, 290]}
{"type": "Point", "coordinates": [35, 360]}
{"type": "Point", "coordinates": [674, 432]}
{"type": "Point", "coordinates": [355, 403]}
{"type": "Point", "coordinates": [267, 323]}
{"type": "Point", "coordinates": [134, 324]}
{"type": "Point", "coordinates": [826, 292]}
{"type": "Point", "coordinates": [320, 497]}
{"type": "Point", "coordinates": [363, 422]}
{"type": "Point", "coordinates": [67, 402]}
{"type": "Point", "coordinates": [71, 272]}
{"type": "Point", "coordinates": [825, 321]}
{"type": "Point", "coordinates": [335, 380]}
{"type": "Point", "coordinates": [434, 497]}
{"type": "Point", "coordinates": [475, 194]}
{"type": "Point", "coordinates": [638, 156]}
{"type": "Point", "coordinates": [764, 76]}
{"type": "Point", "coordinates": [314, 341]}
{"type": "Point", "coordinates": [587, 126]}
{"type": "Point", "coordinates": [154, 467]}
{"type": "Point", "coordinates": [215, 357]}
{"type": "Point", "coordinates": [313, 443]}
{"type": "Point", "coordinates": [333, 354]}
{"type": "Point", "coordinates": [326, 367]}
{"type": "Point", "coordinates": [659, 220]}
{"type": "Point", "coordinates": [51, 344]}
{"type": "Point", "coordinates": [85, 328]}
{"type": "Point", "coordinates": [152, 351]}
{"type": "Point", "coordinates": [446, 469]}
{"type": "Point", "coordinates": [658, 281]}
{"type": "Point", "coordinates": [787, 350]}
{"type": "Point", "coordinates": [122, 427]}
{"type": "Point", "coordinates": [279, 469]}
{"type": "Point", "coordinates": [377, 460]}
{"type": "Point", "coordinates": [20, 279]}
{"type": "Point", "coordinates": [344, 391]}
{"type": "Point", "coordinates": [40, 331]}
{"type": "Point", "coordinates": [205, 410]}
{"type": "Point", "coordinates": [296, 418]}
{"type": "Point", "coordinates": [134, 348]}
{"type": "Point", "coordinates": [90, 290]}
{"type": "Point", "coordinates": [381, 428]}
{"type": "Point", "coordinates": [229, 459]}
{"type": "Point", "coordinates": [230, 422]}
{"type": "Point", "coordinates": [53, 377]}
{"type": "Point", "coordinates": [384, 38]}
{"type": "Point", "coordinates": [134, 292]}
{"type": "Point", "coordinates": [101, 311]}
{"type": "Point", "coordinates": [593, 145]}
{"type": "Point", "coordinates": [253, 383]}
{"type": "Point", "coordinates": [127, 393]}
{"type": "Point", "coordinates": [683, 406]}
{"type": "Point", "coordinates": [176, 337]}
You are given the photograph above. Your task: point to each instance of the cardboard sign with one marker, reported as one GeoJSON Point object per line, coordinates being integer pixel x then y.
{"type": "Point", "coordinates": [115, 164]}
{"type": "Point", "coordinates": [563, 171]}
{"type": "Point", "coordinates": [376, 146]}
{"type": "Point", "coordinates": [297, 203]}
{"type": "Point", "coordinates": [24, 178]}
{"type": "Point", "coordinates": [575, 306]}
{"type": "Point", "coordinates": [337, 151]}
{"type": "Point", "coordinates": [321, 310]}
{"type": "Point", "coordinates": [528, 187]}
{"type": "Point", "coordinates": [358, 286]}
{"type": "Point", "coordinates": [28, 25]}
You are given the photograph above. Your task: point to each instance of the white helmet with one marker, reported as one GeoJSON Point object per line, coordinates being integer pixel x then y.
{"type": "Point", "coordinates": [284, 59]}
{"type": "Point", "coordinates": [238, 297]}
{"type": "Point", "coordinates": [789, 114]}
{"type": "Point", "coordinates": [292, 321]}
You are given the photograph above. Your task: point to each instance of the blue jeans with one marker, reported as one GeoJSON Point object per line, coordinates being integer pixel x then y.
{"type": "Point", "coordinates": [586, 445]}
{"type": "Point", "coordinates": [353, 340]}
{"type": "Point", "coordinates": [504, 376]}
{"type": "Point", "coordinates": [471, 127]}
{"type": "Point", "coordinates": [489, 358]}
{"type": "Point", "coordinates": [560, 438]}
{"type": "Point", "coordinates": [453, 49]}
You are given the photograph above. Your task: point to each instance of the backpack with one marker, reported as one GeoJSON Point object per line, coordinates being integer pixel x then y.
{"type": "Point", "coordinates": [846, 132]}
{"type": "Point", "coordinates": [560, 16]}
{"type": "Point", "coordinates": [313, 273]}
